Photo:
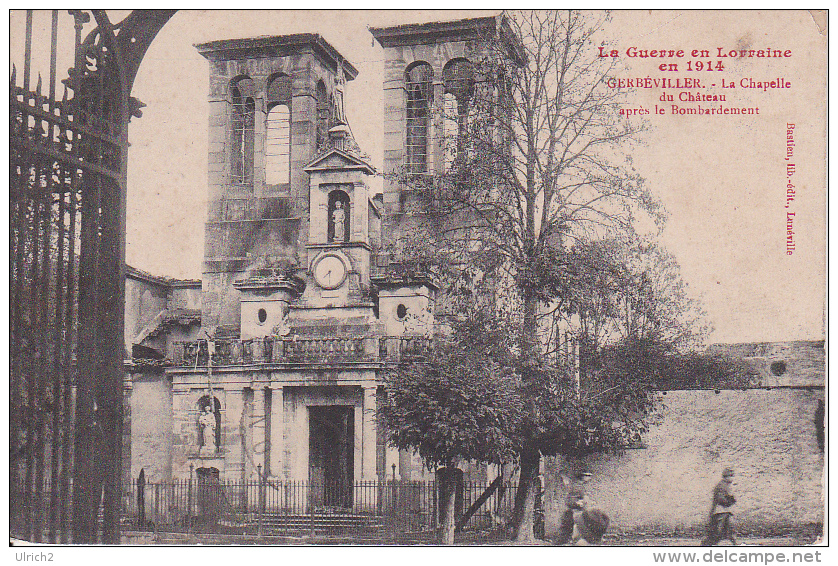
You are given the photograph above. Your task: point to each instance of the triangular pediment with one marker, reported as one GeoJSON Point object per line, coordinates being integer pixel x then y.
{"type": "Point", "coordinates": [337, 160]}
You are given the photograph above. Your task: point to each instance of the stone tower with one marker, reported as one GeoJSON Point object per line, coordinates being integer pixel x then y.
{"type": "Point", "coordinates": [273, 101]}
{"type": "Point", "coordinates": [429, 73]}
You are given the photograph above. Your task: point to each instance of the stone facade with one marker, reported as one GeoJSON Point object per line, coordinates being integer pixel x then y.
{"type": "Point", "coordinates": [291, 292]}
{"type": "Point", "coordinates": [151, 427]}
{"type": "Point", "coordinates": [159, 311]}
{"type": "Point", "coordinates": [302, 324]}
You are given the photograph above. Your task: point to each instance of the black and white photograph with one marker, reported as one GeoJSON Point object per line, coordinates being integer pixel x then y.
{"type": "Point", "coordinates": [490, 278]}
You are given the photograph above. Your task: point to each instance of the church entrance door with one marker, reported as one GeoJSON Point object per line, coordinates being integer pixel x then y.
{"type": "Point", "coordinates": [209, 496]}
{"type": "Point", "coordinates": [331, 455]}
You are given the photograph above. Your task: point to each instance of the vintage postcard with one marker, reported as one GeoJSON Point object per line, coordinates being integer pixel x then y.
{"type": "Point", "coordinates": [490, 277]}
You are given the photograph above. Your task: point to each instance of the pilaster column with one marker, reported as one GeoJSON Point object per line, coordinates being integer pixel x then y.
{"type": "Point", "coordinates": [436, 131]}
{"type": "Point", "coordinates": [369, 434]}
{"type": "Point", "coordinates": [277, 432]}
{"type": "Point", "coordinates": [259, 139]}
{"type": "Point", "coordinates": [258, 428]}
{"type": "Point", "coordinates": [232, 434]}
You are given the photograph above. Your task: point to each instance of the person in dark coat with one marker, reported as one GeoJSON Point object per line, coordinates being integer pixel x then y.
{"type": "Point", "coordinates": [574, 506]}
{"type": "Point", "coordinates": [720, 526]}
{"type": "Point", "coordinates": [589, 527]}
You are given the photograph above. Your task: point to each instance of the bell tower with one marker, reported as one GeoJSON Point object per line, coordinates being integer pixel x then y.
{"type": "Point", "coordinates": [272, 103]}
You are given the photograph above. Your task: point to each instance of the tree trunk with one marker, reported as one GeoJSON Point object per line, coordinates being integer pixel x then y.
{"type": "Point", "coordinates": [522, 516]}
{"type": "Point", "coordinates": [525, 498]}
{"type": "Point", "coordinates": [446, 480]}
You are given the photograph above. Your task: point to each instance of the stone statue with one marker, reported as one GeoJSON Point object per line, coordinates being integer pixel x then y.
{"type": "Point", "coordinates": [207, 422]}
{"type": "Point", "coordinates": [339, 222]}
{"type": "Point", "coordinates": [283, 328]}
{"type": "Point", "coordinates": [338, 111]}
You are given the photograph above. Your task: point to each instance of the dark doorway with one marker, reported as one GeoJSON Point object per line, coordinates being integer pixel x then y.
{"type": "Point", "coordinates": [331, 448]}
{"type": "Point", "coordinates": [209, 496]}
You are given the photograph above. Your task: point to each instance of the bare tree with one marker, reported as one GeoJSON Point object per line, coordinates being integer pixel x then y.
{"type": "Point", "coordinates": [630, 288]}
{"type": "Point", "coordinates": [535, 160]}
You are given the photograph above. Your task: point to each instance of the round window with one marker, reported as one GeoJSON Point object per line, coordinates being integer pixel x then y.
{"type": "Point", "coordinates": [401, 312]}
{"type": "Point", "coordinates": [778, 368]}
{"type": "Point", "coordinates": [263, 316]}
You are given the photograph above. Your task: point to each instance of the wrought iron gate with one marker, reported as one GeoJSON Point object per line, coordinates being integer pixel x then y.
{"type": "Point", "coordinates": [67, 161]}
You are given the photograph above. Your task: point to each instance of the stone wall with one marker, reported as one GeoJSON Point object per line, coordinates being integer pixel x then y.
{"type": "Point", "coordinates": [151, 427]}
{"type": "Point", "coordinates": [797, 363]}
{"type": "Point", "coordinates": [767, 436]}
{"type": "Point", "coordinates": [145, 298]}
{"type": "Point", "coordinates": [185, 295]}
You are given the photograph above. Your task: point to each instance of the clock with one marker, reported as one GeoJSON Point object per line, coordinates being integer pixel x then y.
{"type": "Point", "coordinates": [329, 271]}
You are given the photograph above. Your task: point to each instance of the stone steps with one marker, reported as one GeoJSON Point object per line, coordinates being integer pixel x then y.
{"type": "Point", "coordinates": [332, 523]}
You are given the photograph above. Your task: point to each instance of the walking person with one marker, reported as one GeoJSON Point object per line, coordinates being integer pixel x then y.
{"type": "Point", "coordinates": [589, 528]}
{"type": "Point", "coordinates": [720, 526]}
{"type": "Point", "coordinates": [575, 504]}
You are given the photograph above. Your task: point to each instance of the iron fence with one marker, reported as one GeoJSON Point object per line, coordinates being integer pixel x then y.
{"type": "Point", "coordinates": [384, 510]}
{"type": "Point", "coordinates": [67, 182]}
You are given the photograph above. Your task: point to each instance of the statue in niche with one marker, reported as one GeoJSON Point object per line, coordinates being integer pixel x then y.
{"type": "Point", "coordinates": [208, 424]}
{"type": "Point", "coordinates": [339, 222]}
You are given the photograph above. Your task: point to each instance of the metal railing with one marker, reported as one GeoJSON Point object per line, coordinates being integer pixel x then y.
{"type": "Point", "coordinates": [67, 186]}
{"type": "Point", "coordinates": [384, 510]}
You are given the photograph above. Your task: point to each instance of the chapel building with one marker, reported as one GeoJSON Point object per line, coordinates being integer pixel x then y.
{"type": "Point", "coordinates": [303, 303]}
{"type": "Point", "coordinates": [272, 364]}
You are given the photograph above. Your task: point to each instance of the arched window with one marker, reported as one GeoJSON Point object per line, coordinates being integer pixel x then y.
{"type": "Point", "coordinates": [419, 86]}
{"type": "Point", "coordinates": [244, 112]}
{"type": "Point", "coordinates": [323, 115]}
{"type": "Point", "coordinates": [278, 131]}
{"type": "Point", "coordinates": [458, 86]}
{"type": "Point", "coordinates": [450, 129]}
{"type": "Point", "coordinates": [339, 215]}
{"type": "Point", "coordinates": [278, 146]}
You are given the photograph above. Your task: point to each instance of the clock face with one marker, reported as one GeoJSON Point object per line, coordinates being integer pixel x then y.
{"type": "Point", "coordinates": [330, 272]}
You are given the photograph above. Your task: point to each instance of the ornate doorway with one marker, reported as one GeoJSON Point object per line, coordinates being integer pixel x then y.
{"type": "Point", "coordinates": [331, 455]}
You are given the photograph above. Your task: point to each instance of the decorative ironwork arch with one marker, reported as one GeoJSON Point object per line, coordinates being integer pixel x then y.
{"type": "Point", "coordinates": [68, 173]}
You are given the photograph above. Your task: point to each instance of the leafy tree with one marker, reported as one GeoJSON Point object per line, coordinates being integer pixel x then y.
{"type": "Point", "coordinates": [620, 289]}
{"type": "Point", "coordinates": [463, 404]}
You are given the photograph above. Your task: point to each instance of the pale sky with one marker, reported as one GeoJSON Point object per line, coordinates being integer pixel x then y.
{"type": "Point", "coordinates": [722, 179]}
